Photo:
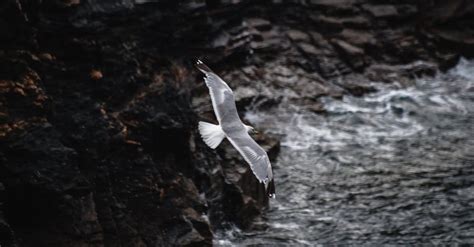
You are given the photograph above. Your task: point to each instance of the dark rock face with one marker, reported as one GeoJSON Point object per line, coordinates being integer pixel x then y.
{"type": "Point", "coordinates": [80, 169]}
{"type": "Point", "coordinates": [99, 104]}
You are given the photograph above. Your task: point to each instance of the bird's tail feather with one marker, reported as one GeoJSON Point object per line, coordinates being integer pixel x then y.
{"type": "Point", "coordinates": [212, 134]}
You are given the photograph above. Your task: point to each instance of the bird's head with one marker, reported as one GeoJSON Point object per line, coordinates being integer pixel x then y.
{"type": "Point", "coordinates": [250, 129]}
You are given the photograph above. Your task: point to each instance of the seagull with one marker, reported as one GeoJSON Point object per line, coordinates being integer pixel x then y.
{"type": "Point", "coordinates": [231, 127]}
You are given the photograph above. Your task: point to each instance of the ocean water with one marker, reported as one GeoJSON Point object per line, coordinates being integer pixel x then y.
{"type": "Point", "coordinates": [391, 167]}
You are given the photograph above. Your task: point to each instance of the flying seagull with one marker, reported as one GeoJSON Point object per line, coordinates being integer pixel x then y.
{"type": "Point", "coordinates": [231, 126]}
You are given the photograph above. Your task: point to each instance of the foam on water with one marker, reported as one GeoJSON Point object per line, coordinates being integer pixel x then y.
{"type": "Point", "coordinates": [390, 167]}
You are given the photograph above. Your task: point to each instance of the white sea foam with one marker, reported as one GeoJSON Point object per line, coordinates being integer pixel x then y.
{"type": "Point", "coordinates": [325, 156]}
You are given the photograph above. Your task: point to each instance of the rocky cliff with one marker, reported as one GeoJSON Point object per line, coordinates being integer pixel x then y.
{"type": "Point", "coordinates": [99, 103]}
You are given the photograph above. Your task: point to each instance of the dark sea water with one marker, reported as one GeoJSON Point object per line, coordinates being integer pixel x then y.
{"type": "Point", "coordinates": [392, 167]}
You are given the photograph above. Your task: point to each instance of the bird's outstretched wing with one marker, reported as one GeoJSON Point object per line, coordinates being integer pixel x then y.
{"type": "Point", "coordinates": [226, 112]}
{"type": "Point", "coordinates": [221, 95]}
{"type": "Point", "coordinates": [255, 156]}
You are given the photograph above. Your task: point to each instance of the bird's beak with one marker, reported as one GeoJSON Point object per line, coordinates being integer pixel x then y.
{"type": "Point", "coordinates": [255, 131]}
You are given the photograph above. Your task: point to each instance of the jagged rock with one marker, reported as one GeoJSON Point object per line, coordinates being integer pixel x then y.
{"type": "Point", "coordinates": [317, 56]}
{"type": "Point", "coordinates": [462, 40]}
{"type": "Point", "coordinates": [249, 96]}
{"type": "Point", "coordinates": [335, 6]}
{"type": "Point", "coordinates": [308, 87]}
{"type": "Point", "coordinates": [356, 85]}
{"type": "Point", "coordinates": [381, 11]}
{"type": "Point", "coordinates": [298, 36]}
{"type": "Point", "coordinates": [320, 41]}
{"type": "Point", "coordinates": [447, 60]}
{"type": "Point", "coordinates": [358, 38]}
{"type": "Point", "coordinates": [244, 206]}
{"type": "Point", "coordinates": [264, 38]}
{"type": "Point", "coordinates": [182, 233]}
{"type": "Point", "coordinates": [309, 50]}
{"type": "Point", "coordinates": [400, 73]}
{"type": "Point", "coordinates": [443, 12]}
{"type": "Point", "coordinates": [244, 95]}
{"type": "Point", "coordinates": [316, 107]}
{"type": "Point", "coordinates": [327, 24]}
{"type": "Point", "coordinates": [200, 222]}
{"type": "Point", "coordinates": [267, 45]}
{"type": "Point", "coordinates": [321, 57]}
{"type": "Point", "coordinates": [358, 21]}
{"type": "Point", "coordinates": [347, 48]}
{"type": "Point", "coordinates": [259, 24]}
{"type": "Point", "coordinates": [353, 54]}
{"type": "Point", "coordinates": [447, 23]}
{"type": "Point", "coordinates": [407, 10]}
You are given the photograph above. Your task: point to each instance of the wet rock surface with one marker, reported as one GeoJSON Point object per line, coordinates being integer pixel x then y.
{"type": "Point", "coordinates": [99, 104]}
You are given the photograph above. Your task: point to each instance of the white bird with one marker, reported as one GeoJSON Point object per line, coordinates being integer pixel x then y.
{"type": "Point", "coordinates": [231, 126]}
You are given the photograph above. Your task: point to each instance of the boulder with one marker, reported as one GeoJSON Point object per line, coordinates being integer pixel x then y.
{"type": "Point", "coordinates": [381, 11]}
{"type": "Point", "coordinates": [358, 38]}
{"type": "Point", "coordinates": [353, 55]}
{"type": "Point", "coordinates": [335, 6]}
{"type": "Point", "coordinates": [327, 24]}
{"type": "Point", "coordinates": [258, 23]}
{"type": "Point", "coordinates": [400, 73]}
{"type": "Point", "coordinates": [461, 40]}
{"type": "Point", "coordinates": [309, 50]}
{"type": "Point", "coordinates": [297, 36]}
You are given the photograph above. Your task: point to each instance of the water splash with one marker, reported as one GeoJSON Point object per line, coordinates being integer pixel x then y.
{"type": "Point", "coordinates": [394, 166]}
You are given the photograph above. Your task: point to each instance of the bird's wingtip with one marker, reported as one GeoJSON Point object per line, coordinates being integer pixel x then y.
{"type": "Point", "coordinates": [202, 67]}
{"type": "Point", "coordinates": [270, 188]}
